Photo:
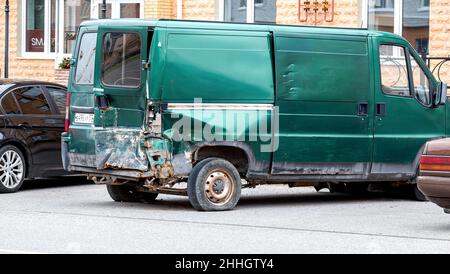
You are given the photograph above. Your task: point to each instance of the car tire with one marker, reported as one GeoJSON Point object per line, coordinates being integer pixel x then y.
{"type": "Point", "coordinates": [417, 194]}
{"type": "Point", "coordinates": [127, 193]}
{"type": "Point", "coordinates": [214, 185]}
{"type": "Point", "coordinates": [13, 169]}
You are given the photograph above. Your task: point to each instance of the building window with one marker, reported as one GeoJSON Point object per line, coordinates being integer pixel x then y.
{"type": "Point", "coordinates": [39, 26]}
{"type": "Point", "coordinates": [408, 18]}
{"type": "Point", "coordinates": [49, 27]}
{"type": "Point", "coordinates": [424, 3]}
{"type": "Point", "coordinates": [248, 11]}
{"type": "Point", "coordinates": [118, 9]}
{"type": "Point", "coordinates": [384, 4]}
{"type": "Point", "coordinates": [75, 12]}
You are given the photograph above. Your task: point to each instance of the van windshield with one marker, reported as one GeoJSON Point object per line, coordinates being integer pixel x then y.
{"type": "Point", "coordinates": [84, 74]}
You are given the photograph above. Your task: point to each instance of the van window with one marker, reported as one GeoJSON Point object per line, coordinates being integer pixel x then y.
{"type": "Point", "coordinates": [394, 71]}
{"type": "Point", "coordinates": [121, 62]}
{"type": "Point", "coordinates": [32, 100]}
{"type": "Point", "coordinates": [421, 83]}
{"type": "Point", "coordinates": [84, 73]}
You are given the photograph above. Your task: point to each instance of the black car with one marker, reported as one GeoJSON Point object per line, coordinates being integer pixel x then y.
{"type": "Point", "coordinates": [32, 116]}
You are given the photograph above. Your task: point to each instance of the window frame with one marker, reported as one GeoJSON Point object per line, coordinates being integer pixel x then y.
{"type": "Point", "coordinates": [8, 92]}
{"type": "Point", "coordinates": [408, 68]}
{"type": "Point", "coordinates": [430, 81]}
{"type": "Point", "coordinates": [398, 14]}
{"type": "Point", "coordinates": [53, 106]}
{"type": "Point", "coordinates": [250, 11]}
{"type": "Point", "coordinates": [59, 27]}
{"type": "Point", "coordinates": [47, 97]}
{"type": "Point", "coordinates": [102, 63]}
{"type": "Point", "coordinates": [46, 54]}
{"type": "Point", "coordinates": [115, 7]}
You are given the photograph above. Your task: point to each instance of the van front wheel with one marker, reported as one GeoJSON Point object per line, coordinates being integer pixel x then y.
{"type": "Point", "coordinates": [213, 185]}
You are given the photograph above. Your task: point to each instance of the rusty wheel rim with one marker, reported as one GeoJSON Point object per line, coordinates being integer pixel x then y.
{"type": "Point", "coordinates": [219, 187]}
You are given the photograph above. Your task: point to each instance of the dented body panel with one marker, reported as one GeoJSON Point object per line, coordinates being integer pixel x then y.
{"type": "Point", "coordinates": [280, 103]}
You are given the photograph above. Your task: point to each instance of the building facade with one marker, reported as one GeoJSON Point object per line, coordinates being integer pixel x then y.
{"type": "Point", "coordinates": [43, 32]}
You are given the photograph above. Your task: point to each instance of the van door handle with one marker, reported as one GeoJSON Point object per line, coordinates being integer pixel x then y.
{"type": "Point", "coordinates": [363, 109]}
{"type": "Point", "coordinates": [102, 101]}
{"type": "Point", "coordinates": [380, 109]}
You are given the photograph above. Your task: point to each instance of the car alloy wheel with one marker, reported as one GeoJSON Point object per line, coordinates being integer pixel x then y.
{"type": "Point", "coordinates": [11, 169]}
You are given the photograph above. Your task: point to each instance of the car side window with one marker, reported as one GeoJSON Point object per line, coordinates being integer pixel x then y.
{"type": "Point", "coordinates": [10, 105]}
{"type": "Point", "coordinates": [58, 96]}
{"type": "Point", "coordinates": [32, 100]}
{"type": "Point", "coordinates": [394, 70]}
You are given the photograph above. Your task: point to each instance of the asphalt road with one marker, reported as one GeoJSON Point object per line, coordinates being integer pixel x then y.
{"type": "Point", "coordinates": [73, 217]}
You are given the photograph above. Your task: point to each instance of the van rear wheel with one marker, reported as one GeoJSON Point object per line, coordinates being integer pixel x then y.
{"type": "Point", "coordinates": [214, 185]}
{"type": "Point", "coordinates": [127, 193]}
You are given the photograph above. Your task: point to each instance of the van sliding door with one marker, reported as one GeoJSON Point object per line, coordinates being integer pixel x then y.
{"type": "Point", "coordinates": [323, 94]}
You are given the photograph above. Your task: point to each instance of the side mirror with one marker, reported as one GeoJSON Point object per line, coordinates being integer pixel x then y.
{"type": "Point", "coordinates": [441, 94]}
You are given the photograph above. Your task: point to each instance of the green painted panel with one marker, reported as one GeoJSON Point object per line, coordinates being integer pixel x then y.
{"type": "Point", "coordinates": [320, 81]}
{"type": "Point", "coordinates": [217, 66]}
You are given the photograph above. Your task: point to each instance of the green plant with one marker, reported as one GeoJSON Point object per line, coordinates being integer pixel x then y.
{"type": "Point", "coordinates": [65, 63]}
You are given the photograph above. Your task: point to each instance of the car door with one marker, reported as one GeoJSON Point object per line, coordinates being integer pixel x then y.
{"type": "Point", "coordinates": [404, 115]}
{"type": "Point", "coordinates": [57, 99]}
{"type": "Point", "coordinates": [37, 124]}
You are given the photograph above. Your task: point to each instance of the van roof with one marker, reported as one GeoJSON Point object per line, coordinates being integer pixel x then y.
{"type": "Point", "coordinates": [235, 26]}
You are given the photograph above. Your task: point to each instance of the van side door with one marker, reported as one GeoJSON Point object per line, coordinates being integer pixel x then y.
{"type": "Point", "coordinates": [404, 116]}
{"type": "Point", "coordinates": [324, 94]}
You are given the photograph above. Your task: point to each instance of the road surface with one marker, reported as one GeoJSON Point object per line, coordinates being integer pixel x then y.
{"type": "Point", "coordinates": [75, 217]}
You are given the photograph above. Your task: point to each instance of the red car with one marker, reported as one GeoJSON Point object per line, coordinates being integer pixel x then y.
{"type": "Point", "coordinates": [434, 176]}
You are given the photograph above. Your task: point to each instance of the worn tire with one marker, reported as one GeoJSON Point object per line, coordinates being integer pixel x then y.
{"type": "Point", "coordinates": [17, 186]}
{"type": "Point", "coordinates": [416, 194]}
{"type": "Point", "coordinates": [127, 193]}
{"type": "Point", "coordinates": [209, 180]}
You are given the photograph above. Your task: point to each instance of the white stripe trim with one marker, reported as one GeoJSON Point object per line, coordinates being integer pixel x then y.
{"type": "Point", "coordinates": [215, 106]}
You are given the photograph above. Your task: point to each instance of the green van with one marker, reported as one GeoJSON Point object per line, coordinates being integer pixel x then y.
{"type": "Point", "coordinates": [191, 108]}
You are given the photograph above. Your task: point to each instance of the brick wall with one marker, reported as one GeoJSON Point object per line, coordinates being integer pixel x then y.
{"type": "Point", "coordinates": [440, 34]}
{"type": "Point", "coordinates": [62, 76]}
{"type": "Point", "coordinates": [346, 14]}
{"type": "Point", "coordinates": [157, 9]}
{"type": "Point", "coordinates": [199, 9]}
